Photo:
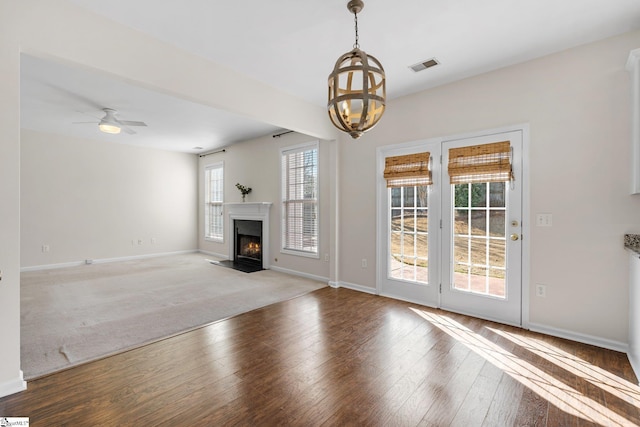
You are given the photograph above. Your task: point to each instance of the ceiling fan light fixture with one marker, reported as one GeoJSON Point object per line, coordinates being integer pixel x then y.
{"type": "Point", "coordinates": [357, 87]}
{"type": "Point", "coordinates": [109, 128]}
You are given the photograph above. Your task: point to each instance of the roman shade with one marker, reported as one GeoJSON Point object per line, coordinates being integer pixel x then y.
{"type": "Point", "coordinates": [407, 170]}
{"type": "Point", "coordinates": [480, 163]}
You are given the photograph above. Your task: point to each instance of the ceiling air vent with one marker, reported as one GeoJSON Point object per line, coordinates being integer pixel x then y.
{"type": "Point", "coordinates": [424, 65]}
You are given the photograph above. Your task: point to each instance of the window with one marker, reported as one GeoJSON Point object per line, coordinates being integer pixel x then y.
{"type": "Point", "coordinates": [213, 199]}
{"type": "Point", "coordinates": [300, 200]}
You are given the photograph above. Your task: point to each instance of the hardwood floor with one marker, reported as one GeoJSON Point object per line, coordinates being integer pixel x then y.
{"type": "Point", "coordinates": [340, 357]}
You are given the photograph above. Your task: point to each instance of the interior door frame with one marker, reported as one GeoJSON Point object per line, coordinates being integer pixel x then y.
{"type": "Point", "coordinates": [526, 208]}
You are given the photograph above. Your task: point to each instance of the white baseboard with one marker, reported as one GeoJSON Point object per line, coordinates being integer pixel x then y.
{"type": "Point", "coordinates": [14, 386]}
{"type": "Point", "coordinates": [214, 254]}
{"type": "Point", "coordinates": [634, 360]}
{"type": "Point", "coordinates": [300, 273]}
{"type": "Point", "coordinates": [335, 285]}
{"type": "Point", "coordinates": [103, 260]}
{"type": "Point", "coordinates": [355, 287]}
{"type": "Point", "coordinates": [407, 300]}
{"type": "Point", "coordinates": [578, 337]}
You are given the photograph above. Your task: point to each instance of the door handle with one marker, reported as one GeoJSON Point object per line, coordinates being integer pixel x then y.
{"type": "Point", "coordinates": [514, 237]}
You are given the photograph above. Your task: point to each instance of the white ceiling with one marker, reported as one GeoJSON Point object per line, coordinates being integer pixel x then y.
{"type": "Point", "coordinates": [293, 44]}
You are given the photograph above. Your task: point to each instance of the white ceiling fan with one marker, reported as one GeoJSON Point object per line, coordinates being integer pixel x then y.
{"type": "Point", "coordinates": [110, 123]}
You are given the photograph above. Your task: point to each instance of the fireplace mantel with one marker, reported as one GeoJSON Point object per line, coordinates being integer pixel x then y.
{"type": "Point", "coordinates": [248, 207]}
{"type": "Point", "coordinates": [257, 211]}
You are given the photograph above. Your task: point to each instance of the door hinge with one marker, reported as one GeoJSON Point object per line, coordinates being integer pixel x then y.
{"type": "Point", "coordinates": [440, 158]}
{"type": "Point", "coordinates": [440, 223]}
{"type": "Point", "coordinates": [440, 288]}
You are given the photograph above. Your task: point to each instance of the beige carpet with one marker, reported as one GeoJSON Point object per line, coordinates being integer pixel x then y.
{"type": "Point", "coordinates": [74, 315]}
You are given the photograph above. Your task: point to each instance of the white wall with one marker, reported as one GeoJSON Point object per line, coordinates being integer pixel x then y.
{"type": "Point", "coordinates": [88, 199]}
{"type": "Point", "coordinates": [65, 32]}
{"type": "Point", "coordinates": [577, 105]}
{"type": "Point", "coordinates": [10, 373]}
{"type": "Point", "coordinates": [256, 164]}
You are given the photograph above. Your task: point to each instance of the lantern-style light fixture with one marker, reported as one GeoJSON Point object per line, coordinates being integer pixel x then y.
{"type": "Point", "coordinates": [357, 87]}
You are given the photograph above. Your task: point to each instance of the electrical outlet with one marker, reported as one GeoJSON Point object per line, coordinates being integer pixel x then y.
{"type": "Point", "coordinates": [326, 257]}
{"type": "Point", "coordinates": [139, 241]}
{"type": "Point", "coordinates": [154, 240]}
{"type": "Point", "coordinates": [45, 248]}
{"type": "Point", "coordinates": [364, 263]}
{"type": "Point", "coordinates": [541, 291]}
{"type": "Point", "coordinates": [544, 220]}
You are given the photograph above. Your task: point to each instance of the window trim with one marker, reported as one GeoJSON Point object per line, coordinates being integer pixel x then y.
{"type": "Point", "coordinates": [207, 203]}
{"type": "Point", "coordinates": [290, 150]}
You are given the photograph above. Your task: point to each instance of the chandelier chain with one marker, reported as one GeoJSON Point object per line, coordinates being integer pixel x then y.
{"type": "Point", "coordinates": [356, 45]}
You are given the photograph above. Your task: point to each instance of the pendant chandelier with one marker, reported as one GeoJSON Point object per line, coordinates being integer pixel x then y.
{"type": "Point", "coordinates": [357, 87]}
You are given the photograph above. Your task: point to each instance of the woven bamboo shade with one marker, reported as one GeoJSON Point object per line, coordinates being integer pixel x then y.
{"type": "Point", "coordinates": [408, 170]}
{"type": "Point", "coordinates": [480, 163]}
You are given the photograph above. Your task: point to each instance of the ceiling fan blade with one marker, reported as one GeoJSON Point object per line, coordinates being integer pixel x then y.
{"type": "Point", "coordinates": [130, 123]}
{"type": "Point", "coordinates": [83, 123]}
{"type": "Point", "coordinates": [127, 130]}
{"type": "Point", "coordinates": [86, 101]}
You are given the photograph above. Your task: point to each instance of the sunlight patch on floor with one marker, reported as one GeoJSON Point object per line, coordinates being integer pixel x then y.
{"type": "Point", "coordinates": [553, 390]}
{"type": "Point", "coordinates": [597, 376]}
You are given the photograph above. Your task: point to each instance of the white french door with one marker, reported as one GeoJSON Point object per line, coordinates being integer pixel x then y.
{"type": "Point", "coordinates": [408, 242]}
{"type": "Point", "coordinates": [482, 239]}
{"type": "Point", "coordinates": [457, 247]}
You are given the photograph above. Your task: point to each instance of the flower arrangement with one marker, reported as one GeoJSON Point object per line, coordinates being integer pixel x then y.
{"type": "Point", "coordinates": [244, 190]}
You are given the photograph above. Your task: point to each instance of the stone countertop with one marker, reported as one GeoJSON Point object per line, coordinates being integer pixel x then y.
{"type": "Point", "coordinates": [632, 243]}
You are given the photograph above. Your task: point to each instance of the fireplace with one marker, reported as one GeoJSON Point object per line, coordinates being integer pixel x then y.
{"type": "Point", "coordinates": [248, 242]}
{"type": "Point", "coordinates": [248, 236]}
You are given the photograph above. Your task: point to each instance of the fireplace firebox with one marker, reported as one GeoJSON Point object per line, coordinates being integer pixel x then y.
{"type": "Point", "coordinates": [248, 242]}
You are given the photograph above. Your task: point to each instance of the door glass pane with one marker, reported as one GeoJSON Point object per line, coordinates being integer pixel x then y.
{"type": "Point", "coordinates": [479, 195]}
{"type": "Point", "coordinates": [479, 239]}
{"type": "Point", "coordinates": [422, 249]}
{"type": "Point", "coordinates": [409, 193]}
{"type": "Point", "coordinates": [408, 254]}
{"type": "Point", "coordinates": [421, 196]}
{"type": "Point", "coordinates": [497, 195]}
{"type": "Point", "coordinates": [461, 278]}
{"type": "Point", "coordinates": [461, 221]}
{"type": "Point", "coordinates": [409, 220]}
{"type": "Point", "coordinates": [395, 197]}
{"type": "Point", "coordinates": [478, 222]}
{"type": "Point", "coordinates": [461, 198]}
{"type": "Point", "coordinates": [461, 250]}
{"type": "Point", "coordinates": [396, 219]}
{"type": "Point", "coordinates": [496, 223]}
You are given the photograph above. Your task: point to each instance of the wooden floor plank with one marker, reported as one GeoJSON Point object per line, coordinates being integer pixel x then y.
{"type": "Point", "coordinates": [340, 357]}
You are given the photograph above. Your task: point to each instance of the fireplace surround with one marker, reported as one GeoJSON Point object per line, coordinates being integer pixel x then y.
{"type": "Point", "coordinates": [254, 220]}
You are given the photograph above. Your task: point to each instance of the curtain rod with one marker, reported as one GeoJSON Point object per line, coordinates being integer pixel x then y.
{"type": "Point", "coordinates": [278, 135]}
{"type": "Point", "coordinates": [213, 152]}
